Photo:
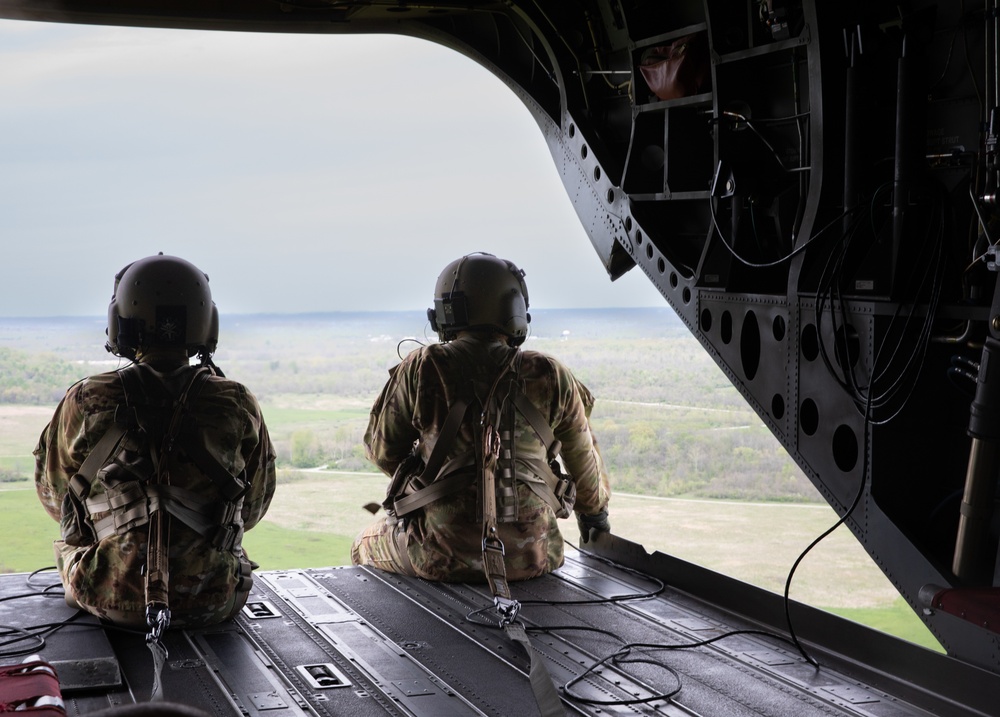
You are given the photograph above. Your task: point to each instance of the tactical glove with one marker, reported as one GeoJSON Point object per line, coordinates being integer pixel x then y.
{"type": "Point", "coordinates": [591, 525]}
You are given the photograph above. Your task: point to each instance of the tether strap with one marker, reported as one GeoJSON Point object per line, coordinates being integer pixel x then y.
{"type": "Point", "coordinates": [157, 562]}
{"type": "Point", "coordinates": [488, 447]}
{"type": "Point", "coordinates": [544, 690]}
{"type": "Point", "coordinates": [546, 696]}
{"type": "Point", "coordinates": [159, 652]}
{"type": "Point", "coordinates": [157, 556]}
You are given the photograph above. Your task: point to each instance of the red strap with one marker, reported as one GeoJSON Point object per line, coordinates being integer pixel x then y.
{"type": "Point", "coordinates": [23, 683]}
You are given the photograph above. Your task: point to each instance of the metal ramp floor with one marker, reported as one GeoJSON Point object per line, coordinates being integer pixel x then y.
{"type": "Point", "coordinates": [352, 641]}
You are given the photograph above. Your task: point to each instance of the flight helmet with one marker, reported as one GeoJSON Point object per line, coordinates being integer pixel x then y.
{"type": "Point", "coordinates": [480, 291]}
{"type": "Point", "coordinates": [162, 301]}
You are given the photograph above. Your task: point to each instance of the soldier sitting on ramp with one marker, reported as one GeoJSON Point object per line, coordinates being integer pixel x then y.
{"type": "Point", "coordinates": [471, 429]}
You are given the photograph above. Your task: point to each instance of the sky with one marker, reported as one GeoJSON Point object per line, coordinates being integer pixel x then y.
{"type": "Point", "coordinates": [301, 173]}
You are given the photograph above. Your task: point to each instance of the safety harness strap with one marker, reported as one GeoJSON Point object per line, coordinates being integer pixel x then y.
{"type": "Point", "coordinates": [552, 487]}
{"type": "Point", "coordinates": [534, 417]}
{"type": "Point", "coordinates": [489, 446]}
{"type": "Point", "coordinates": [80, 483]}
{"type": "Point", "coordinates": [433, 489]}
{"type": "Point", "coordinates": [231, 487]}
{"type": "Point", "coordinates": [435, 486]}
{"type": "Point", "coordinates": [556, 483]}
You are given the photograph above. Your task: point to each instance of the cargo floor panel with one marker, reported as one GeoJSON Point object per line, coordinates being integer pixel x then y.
{"type": "Point", "coordinates": [355, 641]}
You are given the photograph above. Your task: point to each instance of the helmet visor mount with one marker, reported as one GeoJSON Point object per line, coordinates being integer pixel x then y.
{"type": "Point", "coordinates": [169, 329]}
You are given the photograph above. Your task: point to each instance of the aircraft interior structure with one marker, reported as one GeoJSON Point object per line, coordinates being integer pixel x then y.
{"type": "Point", "coordinates": [813, 187]}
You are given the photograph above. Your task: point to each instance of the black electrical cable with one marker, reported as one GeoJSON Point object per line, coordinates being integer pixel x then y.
{"type": "Point", "coordinates": [11, 635]}
{"type": "Point", "coordinates": [909, 374]}
{"type": "Point", "coordinates": [947, 62]}
{"type": "Point", "coordinates": [982, 223]}
{"type": "Point", "coordinates": [757, 133]}
{"type": "Point", "coordinates": [968, 59]}
{"type": "Point", "coordinates": [528, 45]}
{"type": "Point", "coordinates": [618, 657]}
{"type": "Point", "coordinates": [831, 279]}
{"type": "Point", "coordinates": [765, 265]}
{"type": "Point", "coordinates": [6, 630]}
{"type": "Point", "coordinates": [615, 658]}
{"type": "Point", "coordinates": [406, 340]}
{"type": "Point", "coordinates": [888, 381]}
{"type": "Point", "coordinates": [44, 588]}
{"type": "Point", "coordinates": [843, 519]}
{"type": "Point", "coordinates": [37, 633]}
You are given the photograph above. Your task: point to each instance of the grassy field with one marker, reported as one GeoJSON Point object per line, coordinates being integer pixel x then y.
{"type": "Point", "coordinates": [315, 515]}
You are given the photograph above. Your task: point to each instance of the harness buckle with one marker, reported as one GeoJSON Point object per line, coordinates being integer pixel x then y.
{"type": "Point", "coordinates": [507, 608]}
{"type": "Point", "coordinates": [493, 543]}
{"type": "Point", "coordinates": [492, 442]}
{"type": "Point", "coordinates": [158, 620]}
{"type": "Point", "coordinates": [226, 536]}
{"type": "Point", "coordinates": [80, 486]}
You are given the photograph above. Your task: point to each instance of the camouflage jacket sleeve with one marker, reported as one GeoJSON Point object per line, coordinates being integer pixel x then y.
{"type": "Point", "coordinates": [391, 433]}
{"type": "Point", "coordinates": [580, 453]}
{"type": "Point", "coordinates": [259, 467]}
{"type": "Point", "coordinates": [61, 450]}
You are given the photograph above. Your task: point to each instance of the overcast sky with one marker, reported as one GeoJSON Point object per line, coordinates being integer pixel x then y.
{"type": "Point", "coordinates": [302, 173]}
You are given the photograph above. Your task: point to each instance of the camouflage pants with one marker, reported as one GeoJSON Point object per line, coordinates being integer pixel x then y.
{"type": "Point", "coordinates": [382, 545]}
{"type": "Point", "coordinates": [132, 613]}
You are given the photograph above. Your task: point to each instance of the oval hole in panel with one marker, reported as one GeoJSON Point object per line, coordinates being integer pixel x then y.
{"type": "Point", "coordinates": [750, 345]}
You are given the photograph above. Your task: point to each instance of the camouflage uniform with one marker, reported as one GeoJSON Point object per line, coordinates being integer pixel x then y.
{"type": "Point", "coordinates": [443, 540]}
{"type": "Point", "coordinates": [105, 577]}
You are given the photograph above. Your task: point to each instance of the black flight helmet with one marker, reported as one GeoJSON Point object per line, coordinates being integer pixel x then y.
{"type": "Point", "coordinates": [162, 301]}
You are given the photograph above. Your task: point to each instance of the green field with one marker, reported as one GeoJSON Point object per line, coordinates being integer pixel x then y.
{"type": "Point", "coordinates": [315, 516]}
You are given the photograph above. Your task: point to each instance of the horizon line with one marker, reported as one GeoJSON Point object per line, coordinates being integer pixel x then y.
{"type": "Point", "coordinates": [103, 317]}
